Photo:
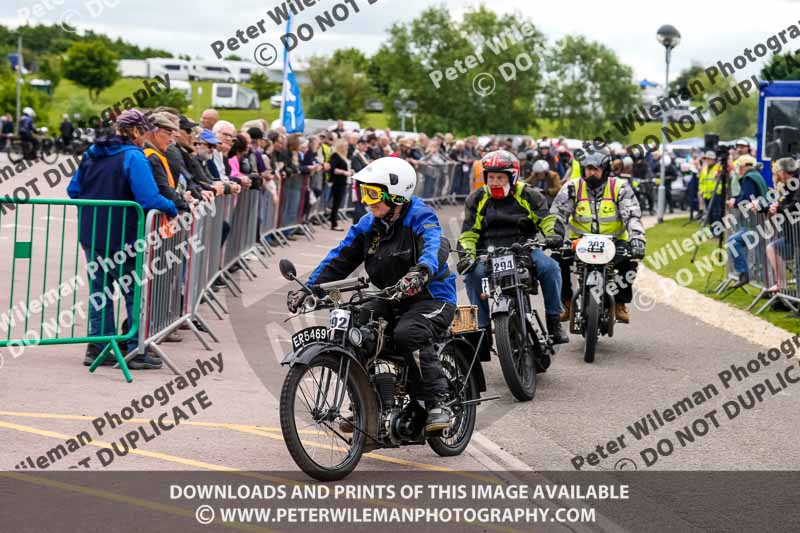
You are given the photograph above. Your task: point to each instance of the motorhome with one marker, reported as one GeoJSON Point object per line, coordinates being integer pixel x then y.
{"type": "Point", "coordinates": [133, 68]}
{"type": "Point", "coordinates": [212, 70]}
{"type": "Point", "coordinates": [178, 69]}
{"type": "Point", "coordinates": [244, 69]}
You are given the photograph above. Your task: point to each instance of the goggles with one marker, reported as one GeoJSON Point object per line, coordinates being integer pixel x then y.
{"type": "Point", "coordinates": [371, 194]}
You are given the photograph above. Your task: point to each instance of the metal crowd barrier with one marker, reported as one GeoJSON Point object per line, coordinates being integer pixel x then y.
{"type": "Point", "coordinates": [47, 259]}
{"type": "Point", "coordinates": [435, 181]}
{"type": "Point", "coordinates": [772, 260]}
{"type": "Point", "coordinates": [291, 211]}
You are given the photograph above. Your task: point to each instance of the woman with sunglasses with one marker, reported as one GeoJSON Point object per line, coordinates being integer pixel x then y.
{"type": "Point", "coordinates": [399, 241]}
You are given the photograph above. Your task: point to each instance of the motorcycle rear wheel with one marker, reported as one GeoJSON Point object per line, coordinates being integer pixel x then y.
{"type": "Point", "coordinates": [455, 439]}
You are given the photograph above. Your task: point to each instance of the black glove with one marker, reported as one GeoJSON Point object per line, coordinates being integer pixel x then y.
{"type": "Point", "coordinates": [295, 299]}
{"type": "Point", "coordinates": [553, 241]}
{"type": "Point", "coordinates": [637, 249]}
{"type": "Point", "coordinates": [465, 263]}
{"type": "Point", "coordinates": [413, 282]}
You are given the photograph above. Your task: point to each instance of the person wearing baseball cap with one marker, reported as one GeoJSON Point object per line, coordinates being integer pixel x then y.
{"type": "Point", "coordinates": [165, 126]}
{"type": "Point", "coordinates": [115, 168]}
{"type": "Point", "coordinates": [751, 196]}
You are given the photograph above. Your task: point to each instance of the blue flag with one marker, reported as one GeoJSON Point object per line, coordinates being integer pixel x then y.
{"type": "Point", "coordinates": [292, 116]}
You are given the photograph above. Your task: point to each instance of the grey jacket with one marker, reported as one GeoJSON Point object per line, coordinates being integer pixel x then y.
{"type": "Point", "coordinates": [628, 206]}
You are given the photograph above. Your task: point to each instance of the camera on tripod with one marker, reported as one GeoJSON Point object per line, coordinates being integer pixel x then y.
{"type": "Point", "coordinates": [712, 145]}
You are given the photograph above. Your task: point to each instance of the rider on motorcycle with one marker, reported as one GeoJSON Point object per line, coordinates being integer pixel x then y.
{"type": "Point", "coordinates": [400, 243]}
{"type": "Point", "coordinates": [504, 211]}
{"type": "Point", "coordinates": [599, 204]}
{"type": "Point", "coordinates": [26, 133]}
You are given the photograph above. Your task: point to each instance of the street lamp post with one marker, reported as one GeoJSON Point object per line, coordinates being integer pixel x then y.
{"type": "Point", "coordinates": [669, 37]}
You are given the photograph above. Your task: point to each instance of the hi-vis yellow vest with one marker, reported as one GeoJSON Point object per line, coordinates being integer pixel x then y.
{"type": "Point", "coordinates": [608, 218]}
{"type": "Point", "coordinates": [706, 180]}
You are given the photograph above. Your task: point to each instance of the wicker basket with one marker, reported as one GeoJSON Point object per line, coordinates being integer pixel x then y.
{"type": "Point", "coordinates": [465, 320]}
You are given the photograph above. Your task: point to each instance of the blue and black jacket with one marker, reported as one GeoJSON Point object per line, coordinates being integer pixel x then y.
{"type": "Point", "coordinates": [389, 251]}
{"type": "Point", "coordinates": [115, 169]}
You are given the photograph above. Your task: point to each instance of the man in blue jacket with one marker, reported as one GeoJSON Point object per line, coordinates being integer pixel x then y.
{"type": "Point", "coordinates": [115, 168]}
{"type": "Point", "coordinates": [400, 243]}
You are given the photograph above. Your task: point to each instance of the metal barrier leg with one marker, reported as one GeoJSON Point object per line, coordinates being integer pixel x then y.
{"type": "Point", "coordinates": [267, 246]}
{"type": "Point", "coordinates": [246, 269]}
{"type": "Point", "coordinates": [757, 299]}
{"type": "Point", "coordinates": [164, 357]}
{"type": "Point", "coordinates": [209, 295]}
{"type": "Point", "coordinates": [228, 280]}
{"type": "Point", "coordinates": [205, 325]}
{"type": "Point", "coordinates": [207, 301]}
{"type": "Point", "coordinates": [198, 334]}
{"type": "Point", "coordinates": [114, 347]}
{"type": "Point", "coordinates": [306, 232]}
{"type": "Point", "coordinates": [260, 253]}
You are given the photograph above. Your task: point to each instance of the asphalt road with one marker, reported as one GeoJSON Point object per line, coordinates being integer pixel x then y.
{"type": "Point", "coordinates": [662, 357]}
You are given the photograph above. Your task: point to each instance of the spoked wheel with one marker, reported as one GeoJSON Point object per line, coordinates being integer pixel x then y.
{"type": "Point", "coordinates": [454, 440]}
{"type": "Point", "coordinates": [315, 400]}
{"type": "Point", "coordinates": [48, 151]}
{"type": "Point", "coordinates": [15, 151]}
{"type": "Point", "coordinates": [516, 354]}
{"type": "Point", "coordinates": [591, 327]}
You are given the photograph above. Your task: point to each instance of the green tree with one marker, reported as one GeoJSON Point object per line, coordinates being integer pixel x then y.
{"type": "Point", "coordinates": [50, 69]}
{"type": "Point", "coordinates": [417, 55]}
{"type": "Point", "coordinates": [335, 90]}
{"type": "Point", "coordinates": [80, 109]}
{"type": "Point", "coordinates": [588, 87]}
{"type": "Point", "coordinates": [352, 56]}
{"type": "Point", "coordinates": [263, 86]}
{"type": "Point", "coordinates": [233, 57]}
{"type": "Point", "coordinates": [734, 120]}
{"type": "Point", "coordinates": [91, 65]}
{"type": "Point", "coordinates": [782, 67]}
{"type": "Point", "coordinates": [685, 84]}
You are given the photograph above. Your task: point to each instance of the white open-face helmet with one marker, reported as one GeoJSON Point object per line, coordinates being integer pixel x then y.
{"type": "Point", "coordinates": [396, 178]}
{"type": "Point", "coordinates": [541, 166]}
{"type": "Point", "coordinates": [28, 111]}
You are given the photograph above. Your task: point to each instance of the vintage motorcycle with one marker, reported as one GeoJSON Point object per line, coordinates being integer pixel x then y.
{"type": "Point", "coordinates": [348, 391]}
{"type": "Point", "coordinates": [523, 347]}
{"type": "Point", "coordinates": [593, 304]}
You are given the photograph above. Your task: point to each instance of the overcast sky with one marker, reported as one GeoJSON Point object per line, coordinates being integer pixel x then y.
{"type": "Point", "coordinates": [712, 30]}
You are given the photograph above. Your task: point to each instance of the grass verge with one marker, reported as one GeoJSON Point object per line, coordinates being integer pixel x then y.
{"type": "Point", "coordinates": [676, 230]}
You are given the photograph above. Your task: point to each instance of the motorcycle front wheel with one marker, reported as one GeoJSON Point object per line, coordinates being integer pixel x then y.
{"type": "Point", "coordinates": [463, 387]}
{"type": "Point", "coordinates": [516, 355]}
{"type": "Point", "coordinates": [315, 400]}
{"type": "Point", "coordinates": [591, 321]}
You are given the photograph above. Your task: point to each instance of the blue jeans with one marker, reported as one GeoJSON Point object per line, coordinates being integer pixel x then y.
{"type": "Point", "coordinates": [548, 273]}
{"type": "Point", "coordinates": [101, 316]}
{"type": "Point", "coordinates": [739, 251]}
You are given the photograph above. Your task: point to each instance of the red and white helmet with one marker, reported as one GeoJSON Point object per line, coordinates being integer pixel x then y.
{"type": "Point", "coordinates": [501, 161]}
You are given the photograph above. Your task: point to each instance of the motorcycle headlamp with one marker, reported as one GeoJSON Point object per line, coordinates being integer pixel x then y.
{"type": "Point", "coordinates": [355, 336]}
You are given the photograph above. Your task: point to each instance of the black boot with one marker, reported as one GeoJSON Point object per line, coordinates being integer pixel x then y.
{"type": "Point", "coordinates": [554, 329]}
{"type": "Point", "coordinates": [744, 279]}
